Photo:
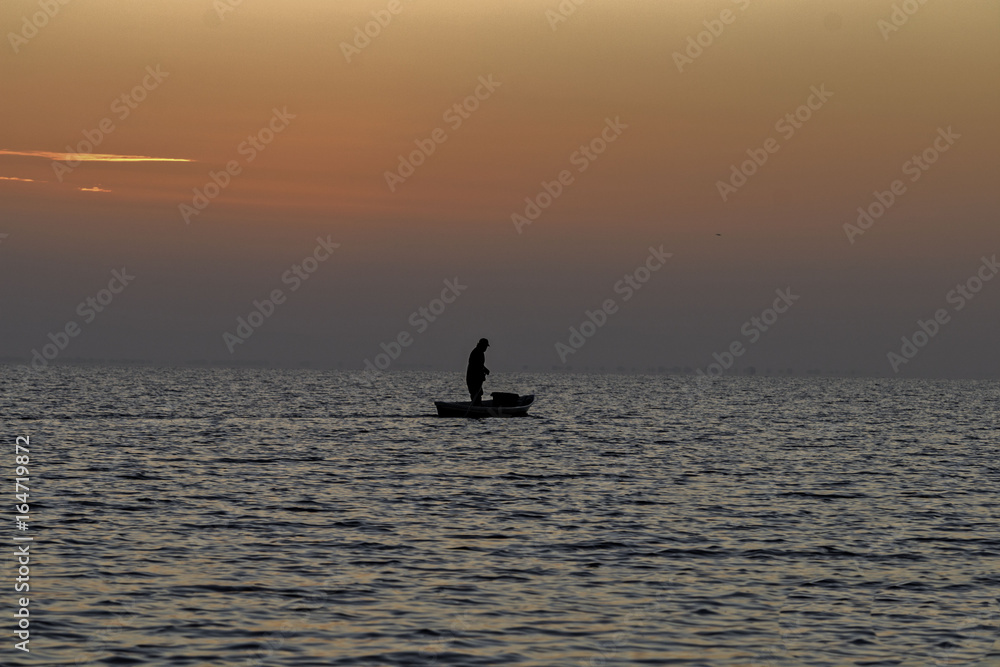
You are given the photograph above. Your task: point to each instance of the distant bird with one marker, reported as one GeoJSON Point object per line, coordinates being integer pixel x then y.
{"type": "Point", "coordinates": [718, 234]}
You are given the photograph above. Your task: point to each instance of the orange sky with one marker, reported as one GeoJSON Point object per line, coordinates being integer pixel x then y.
{"type": "Point", "coordinates": [656, 183]}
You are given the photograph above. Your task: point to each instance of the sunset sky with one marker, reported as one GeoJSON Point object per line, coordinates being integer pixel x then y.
{"type": "Point", "coordinates": [115, 112]}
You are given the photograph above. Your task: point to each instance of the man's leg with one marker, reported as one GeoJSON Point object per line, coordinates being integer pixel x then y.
{"type": "Point", "coordinates": [476, 392]}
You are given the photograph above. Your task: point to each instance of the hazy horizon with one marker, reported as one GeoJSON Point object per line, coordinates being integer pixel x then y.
{"type": "Point", "coordinates": [494, 382]}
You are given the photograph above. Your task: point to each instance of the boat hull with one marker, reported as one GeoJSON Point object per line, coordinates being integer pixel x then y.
{"type": "Point", "coordinates": [487, 409]}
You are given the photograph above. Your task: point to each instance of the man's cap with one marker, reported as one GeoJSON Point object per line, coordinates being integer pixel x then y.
{"type": "Point", "coordinates": [483, 341]}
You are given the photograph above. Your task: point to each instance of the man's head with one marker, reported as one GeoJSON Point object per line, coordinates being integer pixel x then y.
{"type": "Point", "coordinates": [483, 343]}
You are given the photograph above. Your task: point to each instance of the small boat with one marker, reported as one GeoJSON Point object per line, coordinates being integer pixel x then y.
{"type": "Point", "coordinates": [503, 405]}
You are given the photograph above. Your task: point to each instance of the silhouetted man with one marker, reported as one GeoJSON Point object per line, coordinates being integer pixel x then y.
{"type": "Point", "coordinates": [477, 372]}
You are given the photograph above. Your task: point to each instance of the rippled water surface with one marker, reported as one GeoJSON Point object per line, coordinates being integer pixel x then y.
{"type": "Point", "coordinates": [259, 517]}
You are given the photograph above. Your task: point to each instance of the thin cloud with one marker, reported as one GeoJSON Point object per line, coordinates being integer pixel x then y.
{"type": "Point", "coordinates": [91, 157]}
{"type": "Point", "coordinates": [95, 188]}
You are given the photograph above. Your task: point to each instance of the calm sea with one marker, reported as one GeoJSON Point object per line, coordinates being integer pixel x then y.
{"type": "Point", "coordinates": [263, 517]}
